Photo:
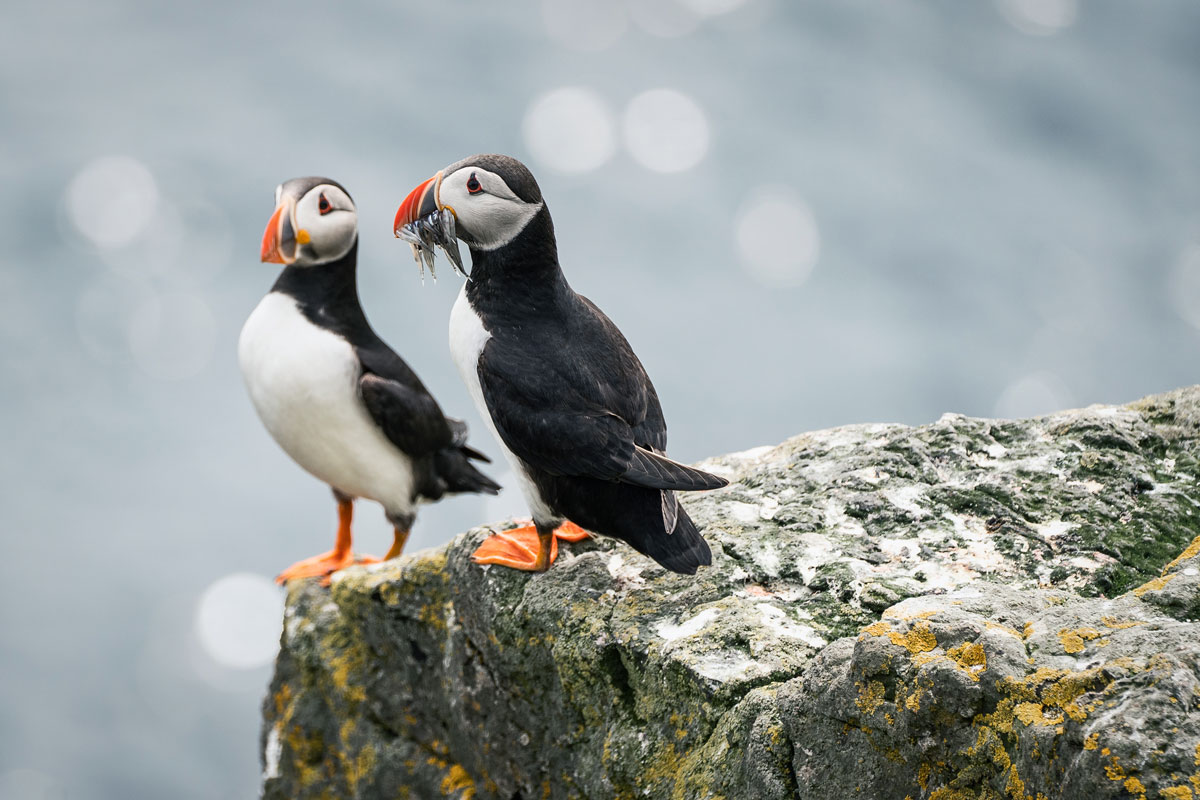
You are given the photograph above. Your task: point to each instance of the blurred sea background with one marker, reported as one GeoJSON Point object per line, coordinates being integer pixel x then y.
{"type": "Point", "coordinates": [802, 214]}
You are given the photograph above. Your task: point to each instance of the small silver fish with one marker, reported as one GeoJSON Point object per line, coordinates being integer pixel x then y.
{"type": "Point", "coordinates": [427, 234]}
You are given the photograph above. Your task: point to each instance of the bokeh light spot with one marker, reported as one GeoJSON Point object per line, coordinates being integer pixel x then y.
{"type": "Point", "coordinates": [102, 314]}
{"type": "Point", "coordinates": [777, 237]}
{"type": "Point", "coordinates": [1033, 395]}
{"type": "Point", "coordinates": [588, 25]}
{"type": "Point", "coordinates": [570, 130]}
{"type": "Point", "coordinates": [1039, 17]}
{"type": "Point", "coordinates": [111, 200]}
{"type": "Point", "coordinates": [1183, 285]}
{"type": "Point", "coordinates": [665, 18]}
{"type": "Point", "coordinates": [239, 619]}
{"type": "Point", "coordinates": [172, 336]}
{"type": "Point", "coordinates": [665, 130]}
{"type": "Point", "coordinates": [712, 8]}
{"type": "Point", "coordinates": [155, 251]}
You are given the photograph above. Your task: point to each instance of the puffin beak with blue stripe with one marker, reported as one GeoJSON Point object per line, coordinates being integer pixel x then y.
{"type": "Point", "coordinates": [566, 398]}
{"type": "Point", "coordinates": [334, 396]}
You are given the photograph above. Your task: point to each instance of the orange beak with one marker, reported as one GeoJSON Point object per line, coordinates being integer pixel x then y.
{"type": "Point", "coordinates": [421, 202]}
{"type": "Point", "coordinates": [279, 243]}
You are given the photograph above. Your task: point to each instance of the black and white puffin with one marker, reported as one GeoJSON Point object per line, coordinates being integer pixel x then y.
{"type": "Point", "coordinates": [334, 396]}
{"type": "Point", "coordinates": [557, 382]}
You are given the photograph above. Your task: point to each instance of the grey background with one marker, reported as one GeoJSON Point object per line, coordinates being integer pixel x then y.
{"type": "Point", "coordinates": [991, 204]}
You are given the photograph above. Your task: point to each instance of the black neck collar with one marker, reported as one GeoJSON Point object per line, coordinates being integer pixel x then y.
{"type": "Point", "coordinates": [326, 293]}
{"type": "Point", "coordinates": [521, 276]}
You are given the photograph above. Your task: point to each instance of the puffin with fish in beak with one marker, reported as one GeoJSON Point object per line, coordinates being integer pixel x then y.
{"type": "Point", "coordinates": [567, 399]}
{"type": "Point", "coordinates": [335, 397]}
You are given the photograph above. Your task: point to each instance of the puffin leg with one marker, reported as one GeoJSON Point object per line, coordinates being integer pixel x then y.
{"type": "Point", "coordinates": [340, 557]}
{"type": "Point", "coordinates": [526, 548]}
{"type": "Point", "coordinates": [401, 536]}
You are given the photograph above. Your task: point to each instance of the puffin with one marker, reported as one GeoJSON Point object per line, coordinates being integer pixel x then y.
{"type": "Point", "coordinates": [331, 393]}
{"type": "Point", "coordinates": [558, 384]}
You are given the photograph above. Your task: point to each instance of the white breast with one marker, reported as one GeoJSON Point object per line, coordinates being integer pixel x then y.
{"type": "Point", "coordinates": [303, 381]}
{"type": "Point", "coordinates": [467, 339]}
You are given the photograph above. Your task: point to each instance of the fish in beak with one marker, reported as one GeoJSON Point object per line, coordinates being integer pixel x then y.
{"type": "Point", "coordinates": [426, 225]}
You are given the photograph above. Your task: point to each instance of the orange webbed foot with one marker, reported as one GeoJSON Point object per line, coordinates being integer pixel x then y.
{"type": "Point", "coordinates": [520, 548]}
{"type": "Point", "coordinates": [322, 566]}
{"type": "Point", "coordinates": [570, 532]}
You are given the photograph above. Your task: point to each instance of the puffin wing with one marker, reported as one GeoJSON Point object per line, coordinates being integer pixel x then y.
{"type": "Point", "coordinates": [656, 471]}
{"type": "Point", "coordinates": [401, 406]}
{"type": "Point", "coordinates": [544, 433]}
{"type": "Point", "coordinates": [579, 423]}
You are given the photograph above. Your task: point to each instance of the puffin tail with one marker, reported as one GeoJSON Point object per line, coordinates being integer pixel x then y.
{"type": "Point", "coordinates": [683, 550]}
{"type": "Point", "coordinates": [460, 475]}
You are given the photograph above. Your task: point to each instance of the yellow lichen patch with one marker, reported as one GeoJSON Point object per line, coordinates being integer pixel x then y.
{"type": "Point", "coordinates": [1136, 788]}
{"type": "Point", "coordinates": [970, 657]}
{"type": "Point", "coordinates": [1191, 551]}
{"type": "Point", "coordinates": [892, 614]}
{"type": "Point", "coordinates": [434, 615]}
{"type": "Point", "coordinates": [1176, 793]}
{"type": "Point", "coordinates": [1073, 640]}
{"type": "Point", "coordinates": [919, 639]}
{"type": "Point", "coordinates": [362, 766]}
{"type": "Point", "coordinates": [870, 697]}
{"type": "Point", "coordinates": [1091, 742]}
{"type": "Point", "coordinates": [946, 793]}
{"type": "Point", "coordinates": [996, 626]}
{"type": "Point", "coordinates": [1154, 585]}
{"type": "Point", "coordinates": [923, 775]}
{"type": "Point", "coordinates": [1015, 786]}
{"type": "Point", "coordinates": [1119, 624]}
{"type": "Point", "coordinates": [1027, 631]}
{"type": "Point", "coordinates": [1197, 761]}
{"type": "Point", "coordinates": [1035, 714]}
{"type": "Point", "coordinates": [1002, 718]}
{"type": "Point", "coordinates": [1065, 691]}
{"type": "Point", "coordinates": [1113, 770]}
{"type": "Point", "coordinates": [457, 780]}
{"type": "Point", "coordinates": [877, 628]}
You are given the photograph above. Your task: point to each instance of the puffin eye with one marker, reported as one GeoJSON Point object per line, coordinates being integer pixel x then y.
{"type": "Point", "coordinates": [323, 205]}
{"type": "Point", "coordinates": [473, 186]}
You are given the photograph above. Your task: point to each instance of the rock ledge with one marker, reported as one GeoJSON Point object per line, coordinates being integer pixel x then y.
{"type": "Point", "coordinates": [968, 609]}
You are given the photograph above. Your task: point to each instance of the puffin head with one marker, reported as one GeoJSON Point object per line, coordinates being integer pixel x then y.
{"type": "Point", "coordinates": [315, 222]}
{"type": "Point", "coordinates": [490, 198]}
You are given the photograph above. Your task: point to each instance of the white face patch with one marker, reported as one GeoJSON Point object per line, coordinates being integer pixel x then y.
{"type": "Point", "coordinates": [489, 217]}
{"type": "Point", "coordinates": [330, 219]}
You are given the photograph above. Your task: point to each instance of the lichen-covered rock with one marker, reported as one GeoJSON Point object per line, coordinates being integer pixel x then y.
{"type": "Point", "coordinates": [972, 608]}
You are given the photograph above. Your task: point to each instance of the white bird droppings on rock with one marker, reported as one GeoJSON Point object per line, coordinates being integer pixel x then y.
{"type": "Point", "coordinates": [1055, 528]}
{"type": "Point", "coordinates": [905, 497]}
{"type": "Point", "coordinates": [271, 753]}
{"type": "Point", "coordinates": [724, 666]}
{"type": "Point", "coordinates": [691, 627]}
{"type": "Point", "coordinates": [742, 512]}
{"type": "Point", "coordinates": [623, 571]}
{"type": "Point", "coordinates": [775, 619]}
